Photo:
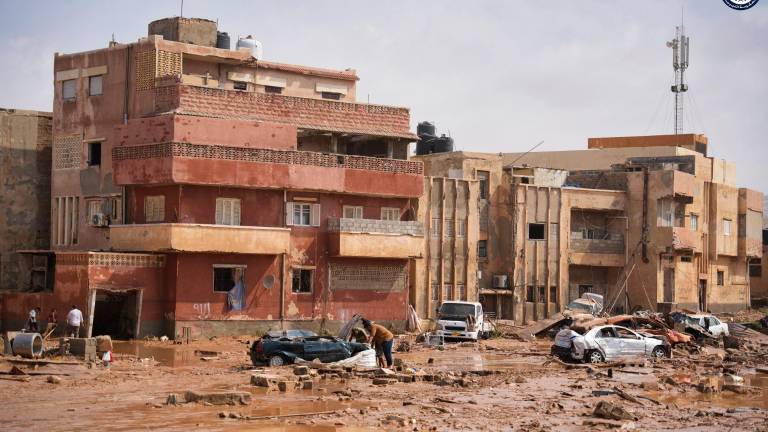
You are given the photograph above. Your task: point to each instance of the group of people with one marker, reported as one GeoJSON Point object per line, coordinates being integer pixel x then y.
{"type": "Point", "coordinates": [74, 321]}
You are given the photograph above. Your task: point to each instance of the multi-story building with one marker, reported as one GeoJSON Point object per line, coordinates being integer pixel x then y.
{"type": "Point", "coordinates": [648, 222]}
{"type": "Point", "coordinates": [202, 187]}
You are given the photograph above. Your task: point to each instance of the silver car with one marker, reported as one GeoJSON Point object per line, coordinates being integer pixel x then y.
{"type": "Point", "coordinates": [609, 342]}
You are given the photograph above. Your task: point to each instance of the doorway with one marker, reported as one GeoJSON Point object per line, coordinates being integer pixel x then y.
{"type": "Point", "coordinates": [115, 313]}
{"type": "Point", "coordinates": [702, 295]}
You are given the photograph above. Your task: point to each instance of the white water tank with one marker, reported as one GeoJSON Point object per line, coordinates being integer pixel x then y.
{"type": "Point", "coordinates": [252, 44]}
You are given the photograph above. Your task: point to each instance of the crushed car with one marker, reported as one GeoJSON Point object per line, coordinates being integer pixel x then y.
{"type": "Point", "coordinates": [700, 325]}
{"type": "Point", "coordinates": [277, 348]}
{"type": "Point", "coordinates": [611, 342]}
{"type": "Point", "coordinates": [642, 323]}
{"type": "Point", "coordinates": [588, 303]}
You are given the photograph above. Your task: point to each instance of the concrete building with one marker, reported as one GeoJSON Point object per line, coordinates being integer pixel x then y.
{"type": "Point", "coordinates": [25, 170]}
{"type": "Point", "coordinates": [648, 222]}
{"type": "Point", "coordinates": [183, 172]}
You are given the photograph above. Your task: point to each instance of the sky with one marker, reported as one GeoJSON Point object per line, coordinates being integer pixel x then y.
{"type": "Point", "coordinates": [498, 76]}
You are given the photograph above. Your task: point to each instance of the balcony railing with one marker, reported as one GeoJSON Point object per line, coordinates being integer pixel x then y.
{"type": "Point", "coordinates": [612, 245]}
{"type": "Point", "coordinates": [375, 226]}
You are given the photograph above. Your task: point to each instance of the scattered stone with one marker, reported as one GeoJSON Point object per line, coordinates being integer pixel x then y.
{"type": "Point", "coordinates": [610, 411]}
{"type": "Point", "coordinates": [301, 370]}
{"type": "Point", "coordinates": [285, 385]}
{"type": "Point", "coordinates": [219, 398]}
{"type": "Point", "coordinates": [269, 381]}
{"type": "Point", "coordinates": [383, 381]}
{"type": "Point", "coordinates": [53, 379]}
{"type": "Point", "coordinates": [519, 379]}
{"type": "Point", "coordinates": [223, 414]}
{"type": "Point", "coordinates": [307, 385]}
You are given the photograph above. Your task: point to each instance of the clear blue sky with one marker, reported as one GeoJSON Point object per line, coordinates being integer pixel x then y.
{"type": "Point", "coordinates": [500, 75]}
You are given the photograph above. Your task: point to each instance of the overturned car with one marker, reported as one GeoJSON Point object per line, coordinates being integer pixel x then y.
{"type": "Point", "coordinates": [610, 342]}
{"type": "Point", "coordinates": [278, 348]}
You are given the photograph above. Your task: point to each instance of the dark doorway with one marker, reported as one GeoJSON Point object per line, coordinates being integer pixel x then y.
{"type": "Point", "coordinates": [702, 295]}
{"type": "Point", "coordinates": [115, 314]}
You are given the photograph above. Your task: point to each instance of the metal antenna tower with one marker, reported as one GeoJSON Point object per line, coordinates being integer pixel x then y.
{"type": "Point", "coordinates": [680, 48]}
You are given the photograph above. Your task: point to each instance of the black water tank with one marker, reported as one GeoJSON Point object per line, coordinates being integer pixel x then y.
{"type": "Point", "coordinates": [425, 128]}
{"type": "Point", "coordinates": [424, 146]}
{"type": "Point", "coordinates": [222, 40]}
{"type": "Point", "coordinates": [443, 144]}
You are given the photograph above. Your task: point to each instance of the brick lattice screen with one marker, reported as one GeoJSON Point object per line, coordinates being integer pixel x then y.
{"type": "Point", "coordinates": [67, 151]}
{"type": "Point", "coordinates": [367, 277]}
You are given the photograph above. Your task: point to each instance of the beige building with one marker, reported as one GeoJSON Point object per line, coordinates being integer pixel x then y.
{"type": "Point", "coordinates": [648, 222]}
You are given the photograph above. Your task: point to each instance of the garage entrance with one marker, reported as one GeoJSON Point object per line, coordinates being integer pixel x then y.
{"type": "Point", "coordinates": [115, 313]}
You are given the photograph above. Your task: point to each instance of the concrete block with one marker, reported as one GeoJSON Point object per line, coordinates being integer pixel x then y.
{"type": "Point", "coordinates": [219, 398]}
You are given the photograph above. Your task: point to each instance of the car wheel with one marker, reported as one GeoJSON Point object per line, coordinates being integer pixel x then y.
{"type": "Point", "coordinates": [276, 361]}
{"type": "Point", "coordinates": [658, 352]}
{"type": "Point", "coordinates": [595, 357]}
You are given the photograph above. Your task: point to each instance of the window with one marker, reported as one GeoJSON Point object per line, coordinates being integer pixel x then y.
{"type": "Point", "coordinates": [435, 227]}
{"type": "Point", "coordinates": [461, 228]}
{"type": "Point", "coordinates": [553, 294]}
{"type": "Point", "coordinates": [69, 90]}
{"type": "Point", "coordinates": [726, 227]}
{"type": "Point", "coordinates": [353, 212]}
{"type": "Point", "coordinates": [115, 206]}
{"type": "Point", "coordinates": [95, 85]}
{"type": "Point", "coordinates": [65, 220]}
{"type": "Point", "coordinates": [331, 95]}
{"type": "Point", "coordinates": [462, 291]}
{"type": "Point", "coordinates": [664, 208]}
{"type": "Point", "coordinates": [447, 291]}
{"type": "Point", "coordinates": [720, 278]}
{"type": "Point", "coordinates": [686, 258]}
{"type": "Point", "coordinates": [154, 208]}
{"type": "Point", "coordinates": [435, 291]}
{"type": "Point", "coordinates": [542, 294]}
{"type": "Point", "coordinates": [301, 281]}
{"type": "Point", "coordinates": [226, 276]}
{"type": "Point", "coordinates": [227, 211]}
{"type": "Point", "coordinates": [94, 153]}
{"type": "Point", "coordinates": [448, 227]}
{"type": "Point", "coordinates": [482, 176]}
{"type": "Point", "coordinates": [535, 231]}
{"type": "Point", "coordinates": [390, 213]}
{"type": "Point", "coordinates": [239, 85]}
{"type": "Point", "coordinates": [482, 248]}
{"type": "Point", "coordinates": [529, 294]}
{"type": "Point", "coordinates": [694, 222]}
{"type": "Point", "coordinates": [303, 214]}
{"type": "Point", "coordinates": [93, 208]}
{"type": "Point", "coordinates": [273, 89]}
{"type": "Point", "coordinates": [755, 267]}
{"type": "Point", "coordinates": [625, 334]}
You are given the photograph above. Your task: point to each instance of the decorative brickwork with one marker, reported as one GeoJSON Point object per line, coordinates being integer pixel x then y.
{"type": "Point", "coordinates": [67, 151]}
{"type": "Point", "coordinates": [168, 64]}
{"type": "Point", "coordinates": [106, 259]}
{"type": "Point", "coordinates": [293, 157]}
{"type": "Point", "coordinates": [145, 69]}
{"type": "Point", "coordinates": [375, 226]}
{"type": "Point", "coordinates": [305, 113]}
{"type": "Point", "coordinates": [367, 277]}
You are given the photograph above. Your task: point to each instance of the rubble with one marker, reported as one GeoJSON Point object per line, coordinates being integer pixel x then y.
{"type": "Point", "coordinates": [218, 398]}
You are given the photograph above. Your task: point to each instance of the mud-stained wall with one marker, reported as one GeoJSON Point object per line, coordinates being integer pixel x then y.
{"type": "Point", "coordinates": [25, 192]}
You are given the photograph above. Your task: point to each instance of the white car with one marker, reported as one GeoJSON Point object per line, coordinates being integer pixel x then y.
{"type": "Point", "coordinates": [710, 323]}
{"type": "Point", "coordinates": [462, 320]}
{"type": "Point", "coordinates": [609, 342]}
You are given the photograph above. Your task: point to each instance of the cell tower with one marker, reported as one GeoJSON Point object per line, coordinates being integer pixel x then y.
{"type": "Point", "coordinates": [680, 47]}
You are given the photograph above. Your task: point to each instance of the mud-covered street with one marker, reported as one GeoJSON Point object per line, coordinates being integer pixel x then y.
{"type": "Point", "coordinates": [498, 384]}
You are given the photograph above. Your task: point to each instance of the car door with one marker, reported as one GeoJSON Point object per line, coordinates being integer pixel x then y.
{"type": "Point", "coordinates": [606, 339]}
{"type": "Point", "coordinates": [632, 344]}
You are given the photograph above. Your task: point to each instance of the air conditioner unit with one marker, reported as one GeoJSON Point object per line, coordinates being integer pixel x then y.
{"type": "Point", "coordinates": [500, 281]}
{"type": "Point", "coordinates": [99, 220]}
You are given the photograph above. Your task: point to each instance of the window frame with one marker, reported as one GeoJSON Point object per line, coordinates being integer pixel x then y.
{"type": "Point", "coordinates": [482, 246]}
{"type": "Point", "coordinates": [100, 86]}
{"type": "Point", "coordinates": [91, 146]}
{"type": "Point", "coordinates": [727, 227]}
{"type": "Point", "coordinates": [694, 222]}
{"type": "Point", "coordinates": [543, 232]}
{"type": "Point", "coordinates": [155, 216]}
{"type": "Point", "coordinates": [64, 85]}
{"type": "Point", "coordinates": [90, 204]}
{"type": "Point", "coordinates": [331, 95]}
{"type": "Point", "coordinates": [230, 267]}
{"type": "Point", "coordinates": [720, 277]}
{"type": "Point", "coordinates": [301, 271]}
{"type": "Point", "coordinates": [755, 267]}
{"type": "Point", "coordinates": [273, 89]}
{"type": "Point", "coordinates": [235, 218]}
{"type": "Point", "coordinates": [390, 213]}
{"type": "Point", "coordinates": [357, 212]}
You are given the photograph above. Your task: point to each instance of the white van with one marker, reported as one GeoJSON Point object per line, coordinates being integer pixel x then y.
{"type": "Point", "coordinates": [462, 320]}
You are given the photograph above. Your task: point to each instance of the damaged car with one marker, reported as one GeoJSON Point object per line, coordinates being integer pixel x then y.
{"type": "Point", "coordinates": [610, 342]}
{"type": "Point", "coordinates": [644, 324]}
{"type": "Point", "coordinates": [278, 348]}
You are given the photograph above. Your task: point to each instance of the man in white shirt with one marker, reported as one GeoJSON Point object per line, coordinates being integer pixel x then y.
{"type": "Point", "coordinates": [564, 342]}
{"type": "Point", "coordinates": [32, 321]}
{"type": "Point", "coordinates": [74, 321]}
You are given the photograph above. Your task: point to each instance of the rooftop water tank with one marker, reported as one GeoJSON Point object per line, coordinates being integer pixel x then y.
{"type": "Point", "coordinates": [253, 45]}
{"type": "Point", "coordinates": [222, 40]}
{"type": "Point", "coordinates": [425, 128]}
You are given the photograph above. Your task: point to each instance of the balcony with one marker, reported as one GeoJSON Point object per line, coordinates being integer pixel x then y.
{"type": "Point", "coordinates": [607, 252]}
{"type": "Point", "coordinates": [372, 238]}
{"type": "Point", "coordinates": [217, 165]}
{"type": "Point", "coordinates": [177, 237]}
{"type": "Point", "coordinates": [595, 199]}
{"type": "Point", "coordinates": [304, 113]}
{"type": "Point", "coordinates": [679, 238]}
{"type": "Point", "coordinates": [675, 184]}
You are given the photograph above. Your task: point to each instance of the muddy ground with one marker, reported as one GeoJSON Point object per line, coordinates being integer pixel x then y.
{"type": "Point", "coordinates": [500, 384]}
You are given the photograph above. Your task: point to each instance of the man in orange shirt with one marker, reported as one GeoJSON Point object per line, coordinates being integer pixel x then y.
{"type": "Point", "coordinates": [381, 339]}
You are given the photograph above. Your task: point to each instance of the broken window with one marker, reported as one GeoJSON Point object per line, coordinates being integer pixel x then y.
{"type": "Point", "coordinates": [529, 292]}
{"type": "Point", "coordinates": [69, 90]}
{"type": "Point", "coordinates": [482, 248]}
{"type": "Point", "coordinates": [755, 267]}
{"type": "Point", "coordinates": [720, 278]}
{"type": "Point", "coordinates": [536, 231]}
{"type": "Point", "coordinates": [353, 212]}
{"type": "Point", "coordinates": [154, 208]}
{"type": "Point", "coordinates": [226, 276]}
{"type": "Point", "coordinates": [726, 227]}
{"type": "Point", "coordinates": [94, 153]}
{"type": "Point", "coordinates": [227, 211]}
{"type": "Point", "coordinates": [273, 89]}
{"type": "Point", "coordinates": [390, 213]}
{"type": "Point", "coordinates": [331, 95]}
{"type": "Point", "coordinates": [95, 84]}
{"type": "Point", "coordinates": [301, 281]}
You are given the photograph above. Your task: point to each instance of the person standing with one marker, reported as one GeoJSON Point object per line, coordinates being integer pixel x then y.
{"type": "Point", "coordinates": [52, 321]}
{"type": "Point", "coordinates": [381, 339]}
{"type": "Point", "coordinates": [74, 321]}
{"type": "Point", "coordinates": [32, 321]}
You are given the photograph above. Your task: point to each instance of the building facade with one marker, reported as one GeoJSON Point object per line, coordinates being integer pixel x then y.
{"type": "Point", "coordinates": [200, 187]}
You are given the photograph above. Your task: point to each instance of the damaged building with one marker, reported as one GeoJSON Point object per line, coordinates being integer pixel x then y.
{"type": "Point", "coordinates": [201, 189]}
{"type": "Point", "coordinates": [649, 222]}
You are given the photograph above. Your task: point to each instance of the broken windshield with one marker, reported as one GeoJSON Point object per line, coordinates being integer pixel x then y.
{"type": "Point", "coordinates": [457, 310]}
